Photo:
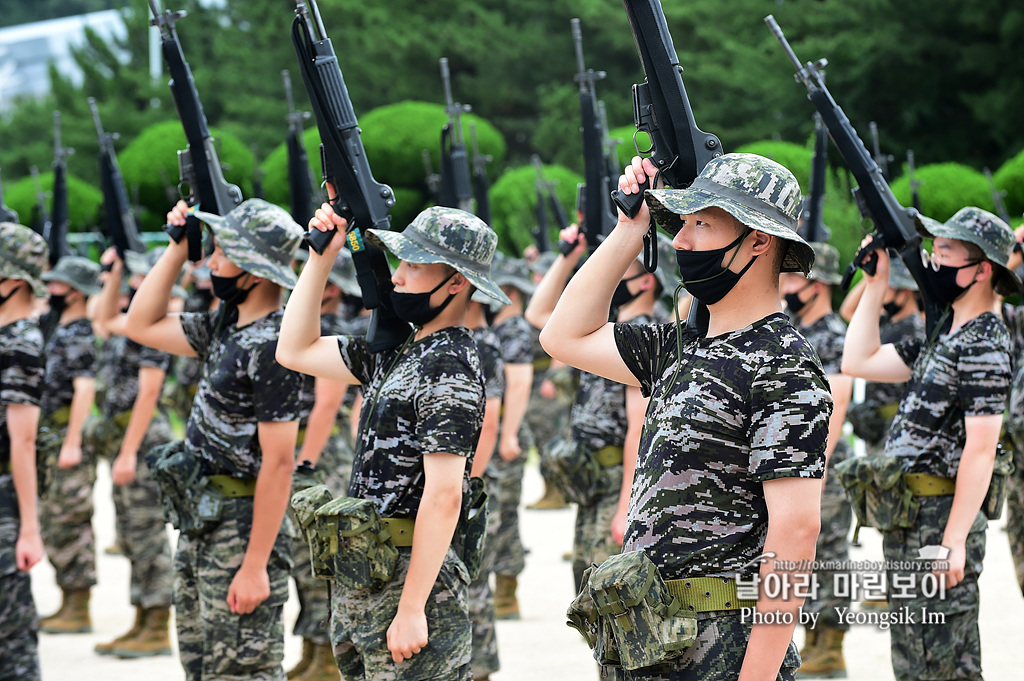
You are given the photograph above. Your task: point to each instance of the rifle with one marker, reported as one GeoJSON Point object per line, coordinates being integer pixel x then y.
{"type": "Point", "coordinates": [480, 183]}
{"type": "Point", "coordinates": [198, 164]}
{"type": "Point", "coordinates": [300, 181]}
{"type": "Point", "coordinates": [360, 199]}
{"type": "Point", "coordinates": [121, 228]}
{"type": "Point", "coordinates": [41, 224]}
{"type": "Point", "coordinates": [456, 190]}
{"type": "Point", "coordinates": [257, 173]}
{"type": "Point", "coordinates": [432, 179]}
{"type": "Point", "coordinates": [812, 215]}
{"type": "Point", "coordinates": [914, 184]}
{"type": "Point", "coordinates": [896, 226]}
{"type": "Point", "coordinates": [57, 236]}
{"type": "Point", "coordinates": [546, 193]}
{"type": "Point", "coordinates": [611, 157]}
{"type": "Point", "coordinates": [883, 160]}
{"type": "Point", "coordinates": [997, 197]}
{"type": "Point", "coordinates": [6, 214]}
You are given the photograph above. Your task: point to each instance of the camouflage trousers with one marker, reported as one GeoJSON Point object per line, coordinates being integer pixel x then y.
{"type": "Point", "coordinates": [213, 642]}
{"type": "Point", "coordinates": [932, 650]}
{"type": "Point", "coordinates": [19, 654]}
{"type": "Point", "coordinates": [833, 545]}
{"type": "Point", "coordinates": [1015, 516]}
{"type": "Point", "coordinates": [592, 541]}
{"type": "Point", "coordinates": [505, 490]}
{"type": "Point", "coordinates": [481, 604]}
{"type": "Point", "coordinates": [65, 516]}
{"type": "Point", "coordinates": [360, 619]}
{"type": "Point", "coordinates": [716, 654]}
{"type": "Point", "coordinates": [547, 419]}
{"type": "Point", "coordinates": [142, 531]}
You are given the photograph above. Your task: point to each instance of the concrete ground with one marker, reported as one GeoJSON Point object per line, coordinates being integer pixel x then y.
{"type": "Point", "coordinates": [539, 645]}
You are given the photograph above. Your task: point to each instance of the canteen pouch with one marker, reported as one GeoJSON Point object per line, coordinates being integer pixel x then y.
{"type": "Point", "coordinates": [473, 526]}
{"type": "Point", "coordinates": [190, 501]}
{"type": "Point", "coordinates": [357, 546]}
{"type": "Point", "coordinates": [992, 506]}
{"type": "Point", "coordinates": [878, 493]}
{"type": "Point", "coordinates": [646, 621]}
{"type": "Point", "coordinates": [573, 469]}
{"type": "Point", "coordinates": [583, 617]}
{"type": "Point", "coordinates": [304, 505]}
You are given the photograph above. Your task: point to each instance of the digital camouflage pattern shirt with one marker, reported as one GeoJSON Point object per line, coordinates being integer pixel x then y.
{"type": "Point", "coordinates": [70, 354]}
{"type": "Point", "coordinates": [965, 373]}
{"type": "Point", "coordinates": [429, 399]}
{"type": "Point", "coordinates": [241, 385]}
{"type": "Point", "coordinates": [747, 407]}
{"type": "Point", "coordinates": [881, 394]}
{"type": "Point", "coordinates": [515, 339]}
{"type": "Point", "coordinates": [125, 358]}
{"type": "Point", "coordinates": [22, 372]}
{"type": "Point", "coordinates": [493, 365]}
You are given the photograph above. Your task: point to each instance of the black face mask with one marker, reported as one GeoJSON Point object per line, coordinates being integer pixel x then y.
{"type": "Point", "coordinates": [703, 275]}
{"type": "Point", "coordinates": [891, 308]}
{"type": "Point", "coordinates": [131, 296]}
{"type": "Point", "coordinates": [793, 302]}
{"type": "Point", "coordinates": [226, 288]}
{"type": "Point", "coordinates": [622, 295]}
{"type": "Point", "coordinates": [58, 303]}
{"type": "Point", "coordinates": [415, 309]}
{"type": "Point", "coordinates": [943, 282]}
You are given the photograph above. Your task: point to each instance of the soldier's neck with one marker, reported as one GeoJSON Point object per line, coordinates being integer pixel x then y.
{"type": "Point", "coordinates": [18, 307]}
{"type": "Point", "coordinates": [73, 312]}
{"type": "Point", "coordinates": [264, 299]}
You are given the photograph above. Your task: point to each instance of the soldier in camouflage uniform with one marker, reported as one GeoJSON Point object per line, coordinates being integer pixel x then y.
{"type": "Point", "coordinates": [809, 302]}
{"type": "Point", "coordinates": [67, 400]}
{"type": "Point", "coordinates": [418, 432]}
{"type": "Point", "coordinates": [231, 582]}
{"type": "Point", "coordinates": [130, 426]}
{"type": "Point", "coordinates": [944, 435]}
{"type": "Point", "coordinates": [732, 451]}
{"type": "Point", "coordinates": [1013, 315]}
{"type": "Point", "coordinates": [23, 255]}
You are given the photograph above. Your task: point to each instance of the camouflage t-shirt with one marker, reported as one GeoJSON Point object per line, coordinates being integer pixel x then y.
{"type": "Point", "coordinates": [515, 339]}
{"type": "Point", "coordinates": [1013, 317]}
{"type": "Point", "coordinates": [747, 406]}
{"type": "Point", "coordinates": [70, 354]}
{"type": "Point", "coordinates": [330, 325]}
{"type": "Point", "coordinates": [490, 360]}
{"type": "Point", "coordinates": [431, 399]}
{"type": "Point", "coordinates": [126, 358]}
{"type": "Point", "coordinates": [965, 373]}
{"type": "Point", "coordinates": [241, 385]}
{"type": "Point", "coordinates": [826, 336]}
{"type": "Point", "coordinates": [22, 371]}
{"type": "Point", "coordinates": [893, 332]}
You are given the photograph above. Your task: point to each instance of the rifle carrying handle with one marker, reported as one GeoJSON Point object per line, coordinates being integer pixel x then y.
{"type": "Point", "coordinates": [630, 203]}
{"type": "Point", "coordinates": [318, 240]}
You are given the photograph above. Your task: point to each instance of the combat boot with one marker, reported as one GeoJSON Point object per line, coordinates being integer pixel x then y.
{"type": "Point", "coordinates": [108, 648]}
{"type": "Point", "coordinates": [828, 662]}
{"type": "Point", "coordinates": [812, 642]}
{"type": "Point", "coordinates": [152, 640]}
{"type": "Point", "coordinates": [506, 607]}
{"type": "Point", "coordinates": [303, 664]}
{"type": "Point", "coordinates": [322, 666]}
{"type": "Point", "coordinates": [551, 501]}
{"type": "Point", "coordinates": [72, 618]}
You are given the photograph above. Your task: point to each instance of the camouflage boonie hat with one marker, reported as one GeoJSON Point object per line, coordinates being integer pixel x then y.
{"type": "Point", "coordinates": [758, 192]}
{"type": "Point", "coordinates": [989, 233]}
{"type": "Point", "coordinates": [77, 272]}
{"type": "Point", "coordinates": [826, 264]}
{"type": "Point", "coordinates": [514, 272]}
{"type": "Point", "coordinates": [142, 263]}
{"type": "Point", "coordinates": [450, 236]}
{"type": "Point", "coordinates": [899, 275]}
{"type": "Point", "coordinates": [543, 262]}
{"type": "Point", "coordinates": [23, 255]}
{"type": "Point", "coordinates": [258, 237]}
{"type": "Point", "coordinates": [343, 274]}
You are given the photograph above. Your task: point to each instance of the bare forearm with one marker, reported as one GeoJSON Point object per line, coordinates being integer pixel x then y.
{"type": "Point", "coordinates": [488, 437]}
{"type": "Point", "coordinates": [23, 472]}
{"type": "Point", "coordinates": [862, 336]}
{"type": "Point", "coordinates": [436, 520]}
{"type": "Point", "coordinates": [318, 432]}
{"type": "Point", "coordinates": [544, 299]}
{"type": "Point", "coordinates": [149, 305]}
{"type": "Point", "coordinates": [81, 404]}
{"type": "Point", "coordinates": [273, 484]}
{"type": "Point", "coordinates": [142, 417]}
{"type": "Point", "coordinates": [972, 481]}
{"type": "Point", "coordinates": [519, 384]}
{"type": "Point", "coordinates": [106, 309]}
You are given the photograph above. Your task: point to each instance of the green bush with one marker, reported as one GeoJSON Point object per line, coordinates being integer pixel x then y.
{"type": "Point", "coordinates": [156, 149]}
{"type": "Point", "coordinates": [626, 149]}
{"type": "Point", "coordinates": [275, 168]}
{"type": "Point", "coordinates": [945, 188]}
{"type": "Point", "coordinates": [514, 205]}
{"type": "Point", "coordinates": [1010, 179]}
{"type": "Point", "coordinates": [84, 201]}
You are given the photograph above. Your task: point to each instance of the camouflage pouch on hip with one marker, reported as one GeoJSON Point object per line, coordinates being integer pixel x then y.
{"type": "Point", "coordinates": [583, 617]}
{"type": "Point", "coordinates": [573, 469]}
{"type": "Point", "coordinates": [868, 423]}
{"type": "Point", "coordinates": [648, 622]}
{"type": "Point", "coordinates": [473, 526]}
{"type": "Point", "coordinates": [878, 493]}
{"type": "Point", "coordinates": [305, 504]}
{"type": "Point", "coordinates": [357, 545]}
{"type": "Point", "coordinates": [992, 506]}
{"type": "Point", "coordinates": [190, 502]}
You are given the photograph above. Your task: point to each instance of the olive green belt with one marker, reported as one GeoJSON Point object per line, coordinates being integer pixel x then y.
{"type": "Point", "coordinates": [888, 411]}
{"type": "Point", "coordinates": [541, 364]}
{"type": "Point", "coordinates": [125, 417]}
{"type": "Point", "coordinates": [608, 456]}
{"type": "Point", "coordinates": [60, 417]}
{"type": "Point", "coordinates": [401, 530]}
{"type": "Point", "coordinates": [925, 485]}
{"type": "Point", "coordinates": [704, 594]}
{"type": "Point", "coordinates": [335, 431]}
{"type": "Point", "coordinates": [234, 487]}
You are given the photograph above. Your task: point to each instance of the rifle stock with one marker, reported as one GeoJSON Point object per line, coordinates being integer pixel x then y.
{"type": "Point", "coordinates": [121, 228]}
{"type": "Point", "coordinates": [812, 216]}
{"type": "Point", "coordinates": [481, 186]}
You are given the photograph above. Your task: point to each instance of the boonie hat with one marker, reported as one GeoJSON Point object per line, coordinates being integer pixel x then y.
{"type": "Point", "coordinates": [826, 264]}
{"type": "Point", "coordinates": [23, 255]}
{"type": "Point", "coordinates": [989, 233]}
{"type": "Point", "coordinates": [77, 272]}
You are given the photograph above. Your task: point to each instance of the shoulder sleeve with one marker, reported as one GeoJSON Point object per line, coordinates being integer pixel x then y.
{"type": "Point", "coordinates": [449, 405]}
{"type": "Point", "coordinates": [830, 350]}
{"type": "Point", "coordinates": [23, 370]}
{"type": "Point", "coordinates": [277, 392]}
{"type": "Point", "coordinates": [80, 353]}
{"type": "Point", "coordinates": [494, 369]}
{"type": "Point", "coordinates": [516, 343]}
{"type": "Point", "coordinates": [908, 349]}
{"type": "Point", "coordinates": [640, 346]}
{"type": "Point", "coordinates": [356, 355]}
{"type": "Point", "coordinates": [983, 373]}
{"type": "Point", "coordinates": [198, 328]}
{"type": "Point", "coordinates": [790, 406]}
{"type": "Point", "coordinates": [156, 359]}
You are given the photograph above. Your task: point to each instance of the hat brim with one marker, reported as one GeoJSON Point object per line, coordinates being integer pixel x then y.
{"type": "Point", "coordinates": [137, 263]}
{"type": "Point", "coordinates": [11, 271]}
{"type": "Point", "coordinates": [405, 249]}
{"type": "Point", "coordinates": [799, 256]}
{"type": "Point", "coordinates": [255, 262]}
{"type": "Point", "coordinates": [56, 276]}
{"type": "Point", "coordinates": [524, 285]}
{"type": "Point", "coordinates": [348, 286]}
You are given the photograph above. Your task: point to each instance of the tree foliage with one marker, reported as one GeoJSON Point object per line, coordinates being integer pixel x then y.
{"type": "Point", "coordinates": [945, 188]}
{"type": "Point", "coordinates": [83, 200]}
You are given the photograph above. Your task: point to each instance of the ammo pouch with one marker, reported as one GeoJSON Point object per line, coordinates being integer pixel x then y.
{"type": "Point", "coordinates": [191, 503]}
{"type": "Point", "coordinates": [868, 421]}
{"type": "Point", "coordinates": [473, 526]}
{"type": "Point", "coordinates": [878, 492]}
{"type": "Point", "coordinates": [647, 622]}
{"type": "Point", "coordinates": [573, 469]}
{"type": "Point", "coordinates": [992, 506]}
{"type": "Point", "coordinates": [352, 543]}
{"type": "Point", "coordinates": [305, 503]}
{"type": "Point", "coordinates": [583, 617]}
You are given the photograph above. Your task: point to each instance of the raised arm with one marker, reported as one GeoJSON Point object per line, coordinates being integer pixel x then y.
{"type": "Point", "coordinates": [544, 299]}
{"type": "Point", "coordinates": [109, 318]}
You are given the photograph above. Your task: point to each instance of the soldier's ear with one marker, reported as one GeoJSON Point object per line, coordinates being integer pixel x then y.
{"type": "Point", "coordinates": [458, 283]}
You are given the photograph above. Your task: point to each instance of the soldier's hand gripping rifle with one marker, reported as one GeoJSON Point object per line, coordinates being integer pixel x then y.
{"type": "Point", "coordinates": [896, 227]}
{"type": "Point", "coordinates": [480, 183]}
{"type": "Point", "coordinates": [57, 236]}
{"type": "Point", "coordinates": [812, 218]}
{"type": "Point", "coordinates": [121, 228]}
{"type": "Point", "coordinates": [6, 214]}
{"type": "Point", "coordinates": [359, 198]}
{"type": "Point", "coordinates": [456, 189]}
{"type": "Point", "coordinates": [198, 164]}
{"type": "Point", "coordinates": [300, 182]}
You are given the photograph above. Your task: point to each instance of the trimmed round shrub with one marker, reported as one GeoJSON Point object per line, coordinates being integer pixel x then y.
{"type": "Point", "coordinates": [1010, 179]}
{"type": "Point", "coordinates": [275, 168]}
{"type": "Point", "coordinates": [514, 205]}
{"type": "Point", "coordinates": [945, 188]}
{"type": "Point", "coordinates": [84, 201]}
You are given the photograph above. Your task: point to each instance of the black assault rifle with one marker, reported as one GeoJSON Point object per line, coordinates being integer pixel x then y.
{"type": "Point", "coordinates": [480, 183]}
{"type": "Point", "coordinates": [41, 223]}
{"type": "Point", "coordinates": [915, 195]}
{"type": "Point", "coordinates": [812, 218]}
{"type": "Point", "coordinates": [359, 198]}
{"type": "Point", "coordinates": [6, 214]}
{"type": "Point", "coordinates": [883, 160]}
{"type": "Point", "coordinates": [300, 182]}
{"type": "Point", "coordinates": [546, 198]}
{"type": "Point", "coordinates": [121, 230]}
{"type": "Point", "coordinates": [57, 235]}
{"type": "Point", "coordinates": [896, 227]}
{"type": "Point", "coordinates": [456, 189]}
{"type": "Point", "coordinates": [198, 164]}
